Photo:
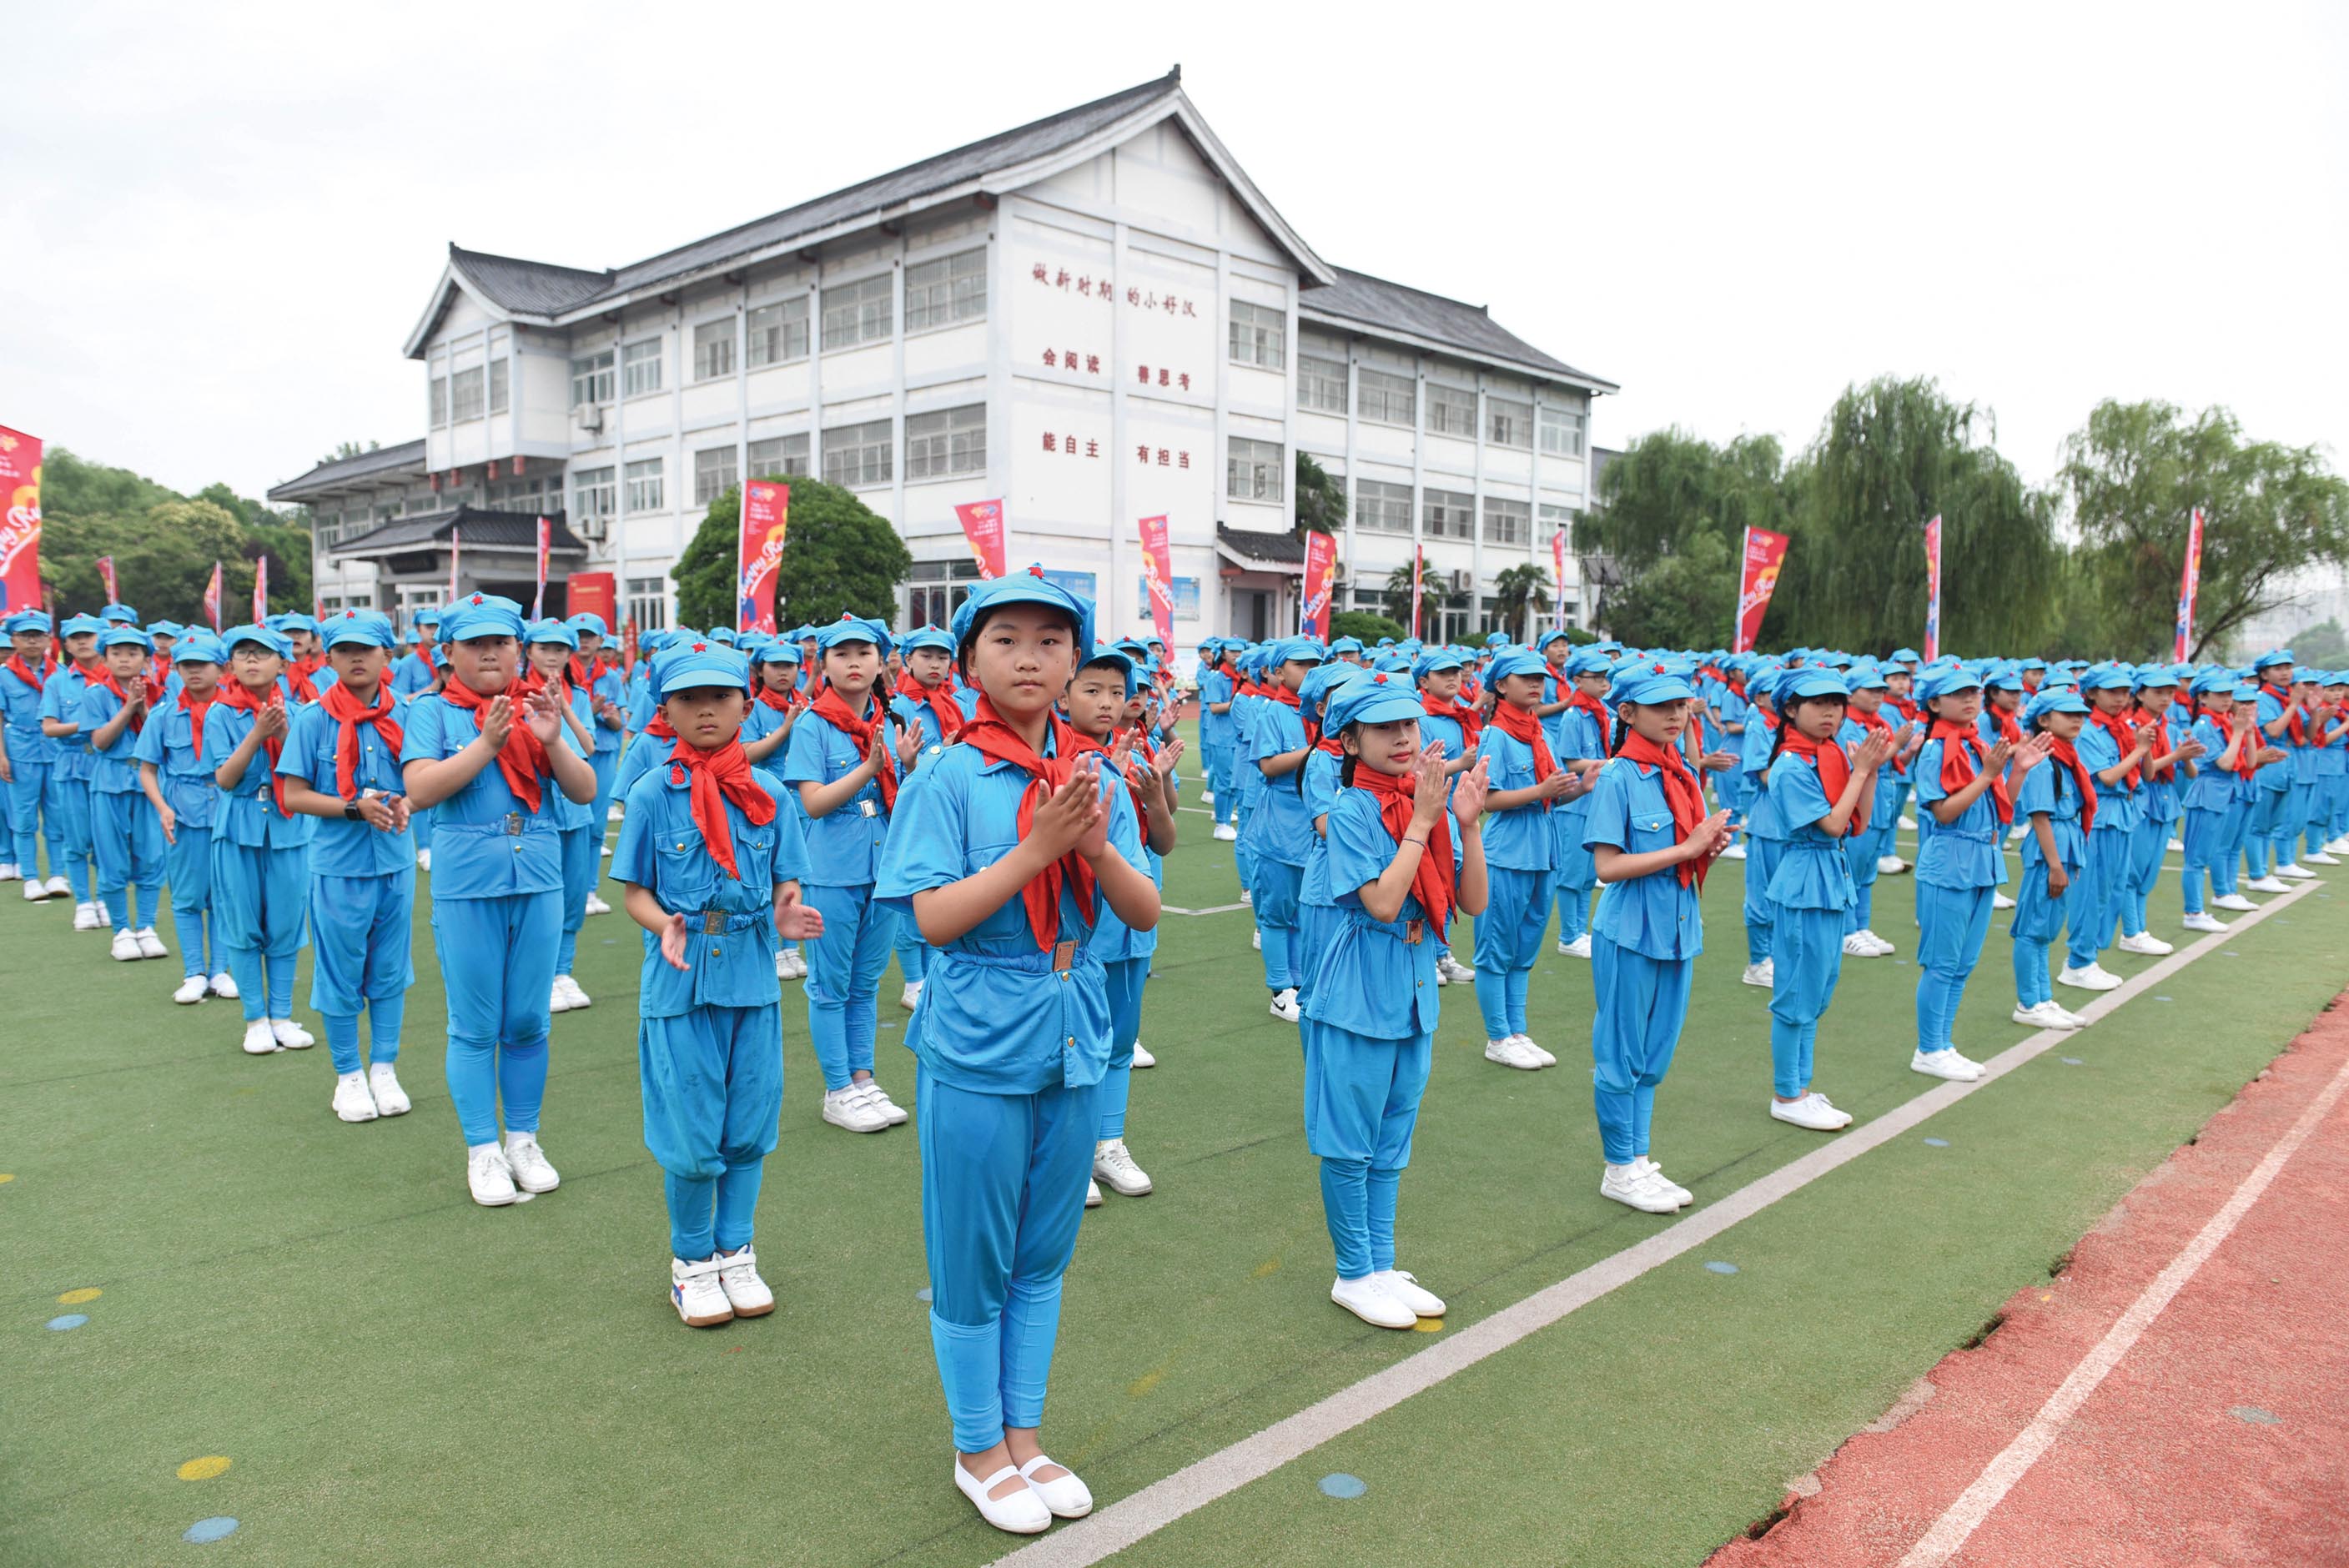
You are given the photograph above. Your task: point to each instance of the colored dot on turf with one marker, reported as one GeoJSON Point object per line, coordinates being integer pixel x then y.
{"type": "Point", "coordinates": [2164, 998]}
{"type": "Point", "coordinates": [76, 1297]}
{"type": "Point", "coordinates": [205, 1467]}
{"type": "Point", "coordinates": [6, 1177]}
{"type": "Point", "coordinates": [70, 1320]}
{"type": "Point", "coordinates": [217, 1528]}
{"type": "Point", "coordinates": [1343, 1486]}
{"type": "Point", "coordinates": [923, 1294]}
{"type": "Point", "coordinates": [1428, 1326]}
{"type": "Point", "coordinates": [2071, 1061]}
{"type": "Point", "coordinates": [1716, 1266]}
{"type": "Point", "coordinates": [2256, 1416]}
{"type": "Point", "coordinates": [1936, 1143]}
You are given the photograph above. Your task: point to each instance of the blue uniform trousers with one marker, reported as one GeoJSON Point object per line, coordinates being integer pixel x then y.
{"type": "Point", "coordinates": [360, 938]}
{"type": "Point", "coordinates": [1762, 858]}
{"type": "Point", "coordinates": [713, 1092]}
{"type": "Point", "coordinates": [1860, 853]}
{"type": "Point", "coordinates": [913, 952]}
{"type": "Point", "coordinates": [259, 897]}
{"type": "Point", "coordinates": [2039, 918]}
{"type": "Point", "coordinates": [2213, 844]}
{"type": "Point", "coordinates": [497, 961]}
{"type": "Point", "coordinates": [33, 807]}
{"type": "Point", "coordinates": [2106, 874]}
{"type": "Point", "coordinates": [1003, 1186]}
{"type": "Point", "coordinates": [1219, 781]}
{"type": "Point", "coordinates": [844, 964]}
{"type": "Point", "coordinates": [1361, 1104]}
{"type": "Point", "coordinates": [188, 866]}
{"type": "Point", "coordinates": [2259, 834]}
{"type": "Point", "coordinates": [419, 827]}
{"type": "Point", "coordinates": [1642, 1003]}
{"type": "Point", "coordinates": [2291, 812]}
{"type": "Point", "coordinates": [1124, 978]}
{"type": "Point", "coordinates": [1508, 940]}
{"type": "Point", "coordinates": [583, 855]}
{"type": "Point", "coordinates": [1808, 959]}
{"type": "Point", "coordinates": [1952, 924]}
{"type": "Point", "coordinates": [2146, 845]}
{"type": "Point", "coordinates": [1243, 808]}
{"type": "Point", "coordinates": [127, 843]}
{"type": "Point", "coordinates": [1275, 885]}
{"type": "Point", "coordinates": [64, 810]}
{"type": "Point", "coordinates": [1576, 873]}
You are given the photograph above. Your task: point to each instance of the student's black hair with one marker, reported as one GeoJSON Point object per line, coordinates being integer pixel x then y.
{"type": "Point", "coordinates": [2056, 776]}
{"type": "Point", "coordinates": [978, 624]}
{"type": "Point", "coordinates": [1346, 759]}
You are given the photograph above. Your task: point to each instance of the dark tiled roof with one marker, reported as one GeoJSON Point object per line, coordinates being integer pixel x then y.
{"type": "Point", "coordinates": [344, 471]}
{"type": "Point", "coordinates": [533, 288]}
{"type": "Point", "coordinates": [1379, 305]}
{"type": "Point", "coordinates": [1272, 549]}
{"type": "Point", "coordinates": [508, 530]}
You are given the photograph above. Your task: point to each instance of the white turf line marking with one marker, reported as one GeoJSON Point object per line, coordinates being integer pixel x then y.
{"type": "Point", "coordinates": [1975, 1504]}
{"type": "Point", "coordinates": [1202, 1482]}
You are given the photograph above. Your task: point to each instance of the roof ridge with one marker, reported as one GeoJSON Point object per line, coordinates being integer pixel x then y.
{"type": "Point", "coordinates": [456, 250]}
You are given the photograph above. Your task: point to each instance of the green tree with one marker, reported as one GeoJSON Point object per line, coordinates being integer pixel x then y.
{"type": "Point", "coordinates": [1684, 601]}
{"type": "Point", "coordinates": [1320, 500]}
{"type": "Point", "coordinates": [1433, 596]}
{"type": "Point", "coordinates": [1363, 625]}
{"type": "Point", "coordinates": [1519, 592]}
{"type": "Point", "coordinates": [839, 557]}
{"type": "Point", "coordinates": [2134, 474]}
{"type": "Point", "coordinates": [1677, 506]}
{"type": "Point", "coordinates": [73, 488]}
{"type": "Point", "coordinates": [162, 559]}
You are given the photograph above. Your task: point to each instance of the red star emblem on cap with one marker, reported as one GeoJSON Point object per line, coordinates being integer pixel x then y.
{"type": "Point", "coordinates": [701, 647]}
{"type": "Point", "coordinates": [350, 614]}
{"type": "Point", "coordinates": [1379, 679]}
{"type": "Point", "coordinates": [477, 598]}
{"type": "Point", "coordinates": [1036, 570]}
{"type": "Point", "coordinates": [1659, 669]}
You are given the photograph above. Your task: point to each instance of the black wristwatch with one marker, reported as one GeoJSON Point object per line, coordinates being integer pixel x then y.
{"type": "Point", "coordinates": [351, 811]}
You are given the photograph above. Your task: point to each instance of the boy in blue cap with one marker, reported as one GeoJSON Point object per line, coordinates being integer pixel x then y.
{"type": "Point", "coordinates": [2267, 847]}
{"type": "Point", "coordinates": [418, 673]}
{"type": "Point", "coordinates": [1446, 721]}
{"type": "Point", "coordinates": [2055, 803]}
{"type": "Point", "coordinates": [70, 769]}
{"type": "Point", "coordinates": [1868, 853]}
{"type": "Point", "coordinates": [28, 757]}
{"type": "Point", "coordinates": [1283, 834]}
{"type": "Point", "coordinates": [607, 694]}
{"type": "Point", "coordinates": [1216, 690]}
{"type": "Point", "coordinates": [1765, 838]}
{"type": "Point", "coordinates": [2328, 807]}
{"type": "Point", "coordinates": [2174, 753]}
{"type": "Point", "coordinates": [126, 840]}
{"type": "Point", "coordinates": [710, 861]}
{"type": "Point", "coordinates": [922, 704]}
{"type": "Point", "coordinates": [2219, 804]}
{"type": "Point", "coordinates": [341, 765]}
{"type": "Point", "coordinates": [1579, 741]}
{"type": "Point", "coordinates": [179, 785]}
{"type": "Point", "coordinates": [550, 661]}
{"type": "Point", "coordinates": [261, 848]}
{"type": "Point", "coordinates": [2115, 751]}
{"type": "Point", "coordinates": [1527, 784]}
{"type": "Point", "coordinates": [776, 706]}
{"type": "Point", "coordinates": [489, 755]}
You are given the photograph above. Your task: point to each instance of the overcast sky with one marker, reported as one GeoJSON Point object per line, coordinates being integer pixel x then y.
{"type": "Point", "coordinates": [219, 231]}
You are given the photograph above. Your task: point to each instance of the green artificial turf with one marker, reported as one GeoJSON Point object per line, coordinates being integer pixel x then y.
{"type": "Point", "coordinates": [401, 1377]}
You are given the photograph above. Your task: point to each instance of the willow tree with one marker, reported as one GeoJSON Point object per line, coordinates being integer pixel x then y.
{"type": "Point", "coordinates": [1671, 515]}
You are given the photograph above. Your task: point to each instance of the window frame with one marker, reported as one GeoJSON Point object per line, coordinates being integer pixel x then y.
{"type": "Point", "coordinates": [635, 499]}
{"type": "Point", "coordinates": [760, 470]}
{"type": "Point", "coordinates": [878, 288]}
{"type": "Point", "coordinates": [1450, 502]}
{"type": "Point", "coordinates": [1502, 415]}
{"type": "Point", "coordinates": [1261, 343]}
{"type": "Point", "coordinates": [1307, 377]}
{"type": "Point", "coordinates": [703, 473]}
{"type": "Point", "coordinates": [637, 364]}
{"type": "Point", "coordinates": [1442, 395]}
{"type": "Point", "coordinates": [1388, 386]}
{"type": "Point", "coordinates": [1567, 424]}
{"type": "Point", "coordinates": [1268, 479]}
{"type": "Point", "coordinates": [500, 385]}
{"type": "Point", "coordinates": [595, 493]}
{"type": "Point", "coordinates": [943, 456]}
{"type": "Point", "coordinates": [867, 437]}
{"type": "Point", "coordinates": [472, 379]}
{"type": "Point", "coordinates": [1370, 507]}
{"type": "Point", "coordinates": [778, 330]}
{"type": "Point", "coordinates": [436, 402]}
{"type": "Point", "coordinates": [598, 371]}
{"type": "Point", "coordinates": [1517, 514]}
{"type": "Point", "coordinates": [957, 306]}
{"type": "Point", "coordinates": [707, 346]}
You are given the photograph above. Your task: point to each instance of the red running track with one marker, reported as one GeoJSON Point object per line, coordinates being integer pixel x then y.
{"type": "Point", "coordinates": [2218, 1434]}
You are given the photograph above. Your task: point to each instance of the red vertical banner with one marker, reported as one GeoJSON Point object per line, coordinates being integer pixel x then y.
{"type": "Point", "coordinates": [538, 596]}
{"type": "Point", "coordinates": [1313, 609]}
{"type": "Point", "coordinates": [1764, 558]}
{"type": "Point", "coordinates": [1557, 564]}
{"type": "Point", "coordinates": [1158, 572]}
{"type": "Point", "coordinates": [106, 579]}
{"type": "Point", "coordinates": [759, 554]}
{"type": "Point", "coordinates": [452, 566]}
{"type": "Point", "coordinates": [628, 646]}
{"type": "Point", "coordinates": [20, 531]}
{"type": "Point", "coordinates": [1934, 589]}
{"type": "Point", "coordinates": [212, 598]}
{"type": "Point", "coordinates": [1418, 570]}
{"type": "Point", "coordinates": [982, 525]}
{"type": "Point", "coordinates": [261, 591]}
{"type": "Point", "coordinates": [2189, 580]}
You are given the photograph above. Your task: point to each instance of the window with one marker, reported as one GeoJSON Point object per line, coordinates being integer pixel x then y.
{"type": "Point", "coordinates": [1381, 508]}
{"type": "Point", "coordinates": [713, 349]}
{"type": "Point", "coordinates": [938, 590]}
{"type": "Point", "coordinates": [1561, 431]}
{"type": "Point", "coordinates": [643, 492]}
{"type": "Point", "coordinates": [1385, 399]}
{"type": "Point", "coordinates": [1259, 335]}
{"type": "Point", "coordinates": [1321, 384]}
{"type": "Point", "coordinates": [591, 378]}
{"type": "Point", "coordinates": [1556, 520]}
{"type": "Point", "coordinates": [951, 441]}
{"type": "Point", "coordinates": [779, 331]}
{"type": "Point", "coordinates": [647, 602]}
{"type": "Point", "coordinates": [857, 313]}
{"type": "Point", "coordinates": [857, 454]}
{"type": "Point", "coordinates": [499, 371]}
{"type": "Point", "coordinates": [385, 510]}
{"type": "Point", "coordinates": [593, 498]}
{"type": "Point", "coordinates": [1508, 423]}
{"type": "Point", "coordinates": [713, 474]}
{"type": "Point", "coordinates": [465, 394]}
{"type": "Point", "coordinates": [640, 367]}
{"type": "Point", "coordinates": [1448, 514]}
{"type": "Point", "coordinates": [1507, 521]}
{"type": "Point", "coordinates": [440, 399]}
{"type": "Point", "coordinates": [950, 289]}
{"type": "Point", "coordinates": [1451, 411]}
{"type": "Point", "coordinates": [778, 455]}
{"type": "Point", "coordinates": [1254, 470]}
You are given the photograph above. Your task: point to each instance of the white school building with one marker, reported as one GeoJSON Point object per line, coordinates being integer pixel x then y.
{"type": "Point", "coordinates": [1096, 318]}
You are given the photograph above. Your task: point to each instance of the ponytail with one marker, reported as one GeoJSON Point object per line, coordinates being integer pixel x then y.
{"type": "Point", "coordinates": [1346, 759]}
{"type": "Point", "coordinates": [1623, 728]}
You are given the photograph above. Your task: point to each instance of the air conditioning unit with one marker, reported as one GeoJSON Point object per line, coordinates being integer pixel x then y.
{"type": "Point", "coordinates": [1336, 571]}
{"type": "Point", "coordinates": [587, 527]}
{"type": "Point", "coordinates": [1462, 582]}
{"type": "Point", "coordinates": [590, 415]}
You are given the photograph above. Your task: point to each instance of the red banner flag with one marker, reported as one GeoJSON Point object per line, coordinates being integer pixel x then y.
{"type": "Point", "coordinates": [1158, 572]}
{"type": "Point", "coordinates": [759, 554]}
{"type": "Point", "coordinates": [1934, 589]}
{"type": "Point", "coordinates": [628, 646]}
{"type": "Point", "coordinates": [106, 579]}
{"type": "Point", "coordinates": [538, 596]}
{"type": "Point", "coordinates": [1766, 555]}
{"type": "Point", "coordinates": [20, 533]}
{"type": "Point", "coordinates": [1557, 561]}
{"type": "Point", "coordinates": [982, 525]}
{"type": "Point", "coordinates": [1418, 570]}
{"type": "Point", "coordinates": [212, 598]}
{"type": "Point", "coordinates": [452, 566]}
{"type": "Point", "coordinates": [2190, 581]}
{"type": "Point", "coordinates": [1313, 608]}
{"type": "Point", "coordinates": [261, 591]}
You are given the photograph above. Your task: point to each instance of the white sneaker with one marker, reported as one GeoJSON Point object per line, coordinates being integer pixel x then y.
{"type": "Point", "coordinates": [1907, 824]}
{"type": "Point", "coordinates": [878, 1097]}
{"type": "Point", "coordinates": [2076, 1021]}
{"type": "Point", "coordinates": [2292, 871]}
{"type": "Point", "coordinates": [150, 945]}
{"type": "Point", "coordinates": [1633, 1187]}
{"type": "Point", "coordinates": [1577, 948]}
{"type": "Point", "coordinates": [606, 853]}
{"type": "Point", "coordinates": [291, 1035]}
{"type": "Point", "coordinates": [1369, 1300]}
{"type": "Point", "coordinates": [1656, 1174]}
{"type": "Point", "coordinates": [258, 1040]}
{"type": "Point", "coordinates": [2339, 846]}
{"type": "Point", "coordinates": [1226, 832]}
{"type": "Point", "coordinates": [853, 1109]}
{"type": "Point", "coordinates": [383, 1086]}
{"type": "Point", "coordinates": [1734, 852]}
{"type": "Point", "coordinates": [126, 948]}
{"type": "Point", "coordinates": [2256, 884]}
{"type": "Point", "coordinates": [1764, 975]}
{"type": "Point", "coordinates": [596, 905]}
{"type": "Point", "coordinates": [783, 964]}
{"type": "Point", "coordinates": [35, 891]}
{"type": "Point", "coordinates": [1406, 1290]}
{"type": "Point", "coordinates": [1510, 1054]}
{"type": "Point", "coordinates": [2000, 901]}
{"type": "Point", "coordinates": [1206, 797]}
{"type": "Point", "coordinates": [8, 872]}
{"type": "Point", "coordinates": [1525, 1043]}
{"type": "Point", "coordinates": [1019, 1513]}
{"type": "Point", "coordinates": [2199, 921]}
{"type": "Point", "coordinates": [737, 1276]}
{"type": "Point", "coordinates": [1882, 946]}
{"type": "Point", "coordinates": [911, 997]}
{"type": "Point", "coordinates": [532, 1173]}
{"type": "Point", "coordinates": [1284, 1006]}
{"type": "Point", "coordinates": [1143, 1058]}
{"type": "Point", "coordinates": [2147, 943]}
{"type": "Point", "coordinates": [557, 999]}
{"type": "Point", "coordinates": [1856, 945]}
{"type": "Point", "coordinates": [224, 985]}
{"type": "Point", "coordinates": [2054, 1015]}
{"type": "Point", "coordinates": [59, 888]}
{"type": "Point", "coordinates": [489, 1176]}
{"type": "Point", "coordinates": [2093, 978]}
{"type": "Point", "coordinates": [569, 985]}
{"type": "Point", "coordinates": [2235, 902]}
{"type": "Point", "coordinates": [2177, 846]}
{"type": "Point", "coordinates": [2321, 858]}
{"type": "Point", "coordinates": [1891, 865]}
{"type": "Point", "coordinates": [1093, 1199]}
{"type": "Point", "coordinates": [105, 916]}
{"type": "Point", "coordinates": [1065, 1495]}
{"type": "Point", "coordinates": [1255, 939]}
{"type": "Point", "coordinates": [615, 815]}
{"type": "Point", "coordinates": [191, 991]}
{"type": "Point", "coordinates": [1945, 1065]}
{"type": "Point", "coordinates": [1114, 1165]}
{"type": "Point", "coordinates": [795, 964]}
{"type": "Point", "coordinates": [695, 1291]}
{"type": "Point", "coordinates": [1812, 1111]}
{"type": "Point", "coordinates": [1457, 973]}
{"type": "Point", "coordinates": [352, 1100]}
{"type": "Point", "coordinates": [86, 917]}
{"type": "Point", "coordinates": [424, 860]}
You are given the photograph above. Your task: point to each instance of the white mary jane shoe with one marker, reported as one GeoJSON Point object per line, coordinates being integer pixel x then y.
{"type": "Point", "coordinates": [1067, 1497]}
{"type": "Point", "coordinates": [1021, 1513]}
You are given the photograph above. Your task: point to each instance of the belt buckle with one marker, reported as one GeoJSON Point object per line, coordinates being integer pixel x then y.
{"type": "Point", "coordinates": [1064, 955]}
{"type": "Point", "coordinates": [866, 808]}
{"type": "Point", "coordinates": [513, 824]}
{"type": "Point", "coordinates": [1413, 931]}
{"type": "Point", "coordinates": [713, 923]}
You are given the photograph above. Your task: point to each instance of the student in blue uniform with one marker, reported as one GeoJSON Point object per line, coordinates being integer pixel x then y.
{"type": "Point", "coordinates": [2218, 803]}
{"type": "Point", "coordinates": [126, 839]}
{"type": "Point", "coordinates": [27, 757]}
{"type": "Point", "coordinates": [846, 771]}
{"type": "Point", "coordinates": [710, 858]}
{"type": "Point", "coordinates": [922, 704]}
{"type": "Point", "coordinates": [2328, 811]}
{"type": "Point", "coordinates": [1248, 779]}
{"type": "Point", "coordinates": [179, 786]}
{"type": "Point", "coordinates": [1868, 853]}
{"type": "Point", "coordinates": [489, 757]}
{"type": "Point", "coordinates": [1278, 827]}
{"type": "Point", "coordinates": [2167, 769]}
{"type": "Point", "coordinates": [2116, 751]}
{"type": "Point", "coordinates": [69, 767]}
{"type": "Point", "coordinates": [550, 655]}
{"type": "Point", "coordinates": [607, 694]}
{"type": "Point", "coordinates": [1578, 741]}
{"type": "Point", "coordinates": [2265, 845]}
{"type": "Point", "coordinates": [1766, 838]}
{"type": "Point", "coordinates": [260, 847]}
{"type": "Point", "coordinates": [1373, 1010]}
{"type": "Point", "coordinates": [1525, 784]}
{"type": "Point", "coordinates": [1006, 853]}
{"type": "Point", "coordinates": [2055, 803]}
{"type": "Point", "coordinates": [1447, 721]}
{"type": "Point", "coordinates": [419, 673]}
{"type": "Point", "coordinates": [1652, 841]}
{"type": "Point", "coordinates": [774, 711]}
{"type": "Point", "coordinates": [1216, 690]}
{"type": "Point", "coordinates": [341, 765]}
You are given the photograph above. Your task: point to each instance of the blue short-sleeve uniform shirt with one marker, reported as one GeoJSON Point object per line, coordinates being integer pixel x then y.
{"type": "Point", "coordinates": [338, 847]}
{"type": "Point", "coordinates": [248, 815]}
{"type": "Point", "coordinates": [843, 847]}
{"type": "Point", "coordinates": [171, 742]}
{"type": "Point", "coordinates": [730, 929]}
{"type": "Point", "coordinates": [1654, 916]}
{"type": "Point", "coordinates": [1374, 979]}
{"type": "Point", "coordinates": [1960, 854]}
{"type": "Point", "coordinates": [486, 841]}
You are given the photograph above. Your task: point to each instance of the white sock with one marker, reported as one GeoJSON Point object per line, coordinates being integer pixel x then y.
{"type": "Point", "coordinates": [1622, 1172]}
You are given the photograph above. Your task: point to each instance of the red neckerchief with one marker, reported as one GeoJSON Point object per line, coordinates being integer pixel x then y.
{"type": "Point", "coordinates": [1087, 743]}
{"type": "Point", "coordinates": [2065, 752]}
{"type": "Point", "coordinates": [1431, 882]}
{"type": "Point", "coordinates": [1907, 710]}
{"type": "Point", "coordinates": [829, 708]}
{"type": "Point", "coordinates": [781, 701]}
{"type": "Point", "coordinates": [16, 667]}
{"type": "Point", "coordinates": [1682, 792]}
{"type": "Point", "coordinates": [349, 713]}
{"type": "Point", "coordinates": [581, 675]}
{"type": "Point", "coordinates": [239, 695]}
{"type": "Point", "coordinates": [1872, 722]}
{"type": "Point", "coordinates": [424, 652]}
{"type": "Point", "coordinates": [1519, 724]}
{"type": "Point", "coordinates": [2247, 759]}
{"type": "Point", "coordinates": [1460, 713]}
{"type": "Point", "coordinates": [2290, 711]}
{"type": "Point", "coordinates": [297, 676]}
{"type": "Point", "coordinates": [1577, 697]}
{"type": "Point", "coordinates": [939, 700]}
{"type": "Point", "coordinates": [2168, 771]}
{"type": "Point", "coordinates": [657, 727]}
{"type": "Point", "coordinates": [997, 741]}
{"type": "Point", "coordinates": [1281, 694]}
{"type": "Point", "coordinates": [1835, 773]}
{"type": "Point", "coordinates": [522, 760]}
{"type": "Point", "coordinates": [2123, 738]}
{"type": "Point", "coordinates": [723, 772]}
{"type": "Point", "coordinates": [2008, 729]}
{"type": "Point", "coordinates": [1737, 684]}
{"type": "Point", "coordinates": [1961, 760]}
{"type": "Point", "coordinates": [154, 689]}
